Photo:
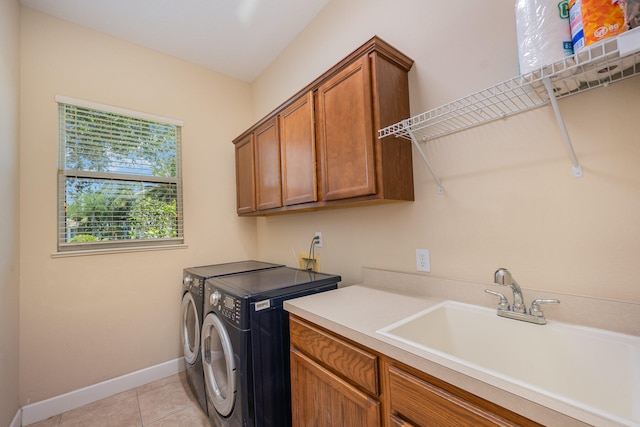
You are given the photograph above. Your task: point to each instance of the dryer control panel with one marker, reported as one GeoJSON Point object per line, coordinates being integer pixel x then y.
{"type": "Point", "coordinates": [230, 308]}
{"type": "Point", "coordinates": [225, 305]}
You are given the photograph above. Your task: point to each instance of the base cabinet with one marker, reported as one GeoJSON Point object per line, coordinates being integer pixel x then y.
{"type": "Point", "coordinates": [335, 382]}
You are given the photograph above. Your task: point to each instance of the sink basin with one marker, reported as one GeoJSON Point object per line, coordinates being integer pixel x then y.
{"type": "Point", "coordinates": [589, 368]}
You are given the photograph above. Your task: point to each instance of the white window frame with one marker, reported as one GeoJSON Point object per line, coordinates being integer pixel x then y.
{"type": "Point", "coordinates": [120, 245]}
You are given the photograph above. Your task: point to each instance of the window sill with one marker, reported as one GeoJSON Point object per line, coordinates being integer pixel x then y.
{"type": "Point", "coordinates": [67, 254]}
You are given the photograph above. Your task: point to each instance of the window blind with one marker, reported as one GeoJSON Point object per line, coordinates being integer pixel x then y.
{"type": "Point", "coordinates": [119, 180]}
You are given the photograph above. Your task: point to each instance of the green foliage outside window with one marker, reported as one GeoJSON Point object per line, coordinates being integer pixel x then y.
{"type": "Point", "coordinates": [119, 176]}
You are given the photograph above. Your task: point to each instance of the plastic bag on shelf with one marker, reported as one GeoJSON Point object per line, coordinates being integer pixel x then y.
{"type": "Point", "coordinates": [543, 33]}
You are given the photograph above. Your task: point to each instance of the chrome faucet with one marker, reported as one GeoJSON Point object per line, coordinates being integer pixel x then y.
{"type": "Point", "coordinates": [518, 310]}
{"type": "Point", "coordinates": [503, 277]}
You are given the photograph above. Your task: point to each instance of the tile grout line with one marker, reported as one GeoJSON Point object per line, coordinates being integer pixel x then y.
{"type": "Point", "coordinates": [139, 410]}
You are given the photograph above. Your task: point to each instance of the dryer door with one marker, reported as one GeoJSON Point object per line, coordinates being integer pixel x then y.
{"type": "Point", "coordinates": [219, 366]}
{"type": "Point", "coordinates": [190, 329]}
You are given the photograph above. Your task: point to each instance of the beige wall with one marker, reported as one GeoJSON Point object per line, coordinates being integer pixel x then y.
{"type": "Point", "coordinates": [510, 198]}
{"type": "Point", "coordinates": [92, 318]}
{"type": "Point", "coordinates": [9, 243]}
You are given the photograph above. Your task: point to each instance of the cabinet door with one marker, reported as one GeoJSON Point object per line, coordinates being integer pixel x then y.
{"type": "Point", "coordinates": [268, 184]}
{"type": "Point", "coordinates": [320, 398]}
{"type": "Point", "coordinates": [345, 133]}
{"type": "Point", "coordinates": [424, 404]}
{"type": "Point", "coordinates": [245, 178]}
{"type": "Point", "coordinates": [298, 151]}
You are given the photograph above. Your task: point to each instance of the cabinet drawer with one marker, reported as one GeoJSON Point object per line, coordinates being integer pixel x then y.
{"type": "Point", "coordinates": [397, 422]}
{"type": "Point", "coordinates": [355, 365]}
{"type": "Point", "coordinates": [422, 404]}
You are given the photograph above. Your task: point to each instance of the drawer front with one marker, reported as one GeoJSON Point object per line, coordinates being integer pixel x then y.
{"type": "Point", "coordinates": [399, 422]}
{"type": "Point", "coordinates": [424, 404]}
{"type": "Point", "coordinates": [355, 365]}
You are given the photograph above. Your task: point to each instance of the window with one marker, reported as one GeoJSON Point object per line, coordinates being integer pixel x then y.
{"type": "Point", "coordinates": [119, 180]}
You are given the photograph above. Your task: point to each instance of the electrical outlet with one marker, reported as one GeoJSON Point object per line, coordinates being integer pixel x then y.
{"type": "Point", "coordinates": [319, 241]}
{"type": "Point", "coordinates": [422, 260]}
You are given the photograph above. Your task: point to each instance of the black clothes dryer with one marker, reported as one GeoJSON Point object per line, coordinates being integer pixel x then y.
{"type": "Point", "coordinates": [245, 344]}
{"type": "Point", "coordinates": [191, 316]}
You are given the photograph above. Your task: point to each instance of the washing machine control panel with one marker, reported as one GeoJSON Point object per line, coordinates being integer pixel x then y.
{"type": "Point", "coordinates": [193, 284]}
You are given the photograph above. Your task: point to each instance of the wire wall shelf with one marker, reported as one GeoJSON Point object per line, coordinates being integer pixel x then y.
{"type": "Point", "coordinates": [597, 65]}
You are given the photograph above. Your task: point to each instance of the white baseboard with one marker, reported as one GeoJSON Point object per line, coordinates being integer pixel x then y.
{"type": "Point", "coordinates": [17, 420]}
{"type": "Point", "coordinates": [44, 409]}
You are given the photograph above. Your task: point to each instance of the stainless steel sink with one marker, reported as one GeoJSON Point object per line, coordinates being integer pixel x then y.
{"type": "Point", "coordinates": [590, 368]}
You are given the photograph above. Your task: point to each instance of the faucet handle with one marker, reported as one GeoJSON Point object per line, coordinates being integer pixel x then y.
{"type": "Point", "coordinates": [503, 304]}
{"type": "Point", "coordinates": [535, 309]}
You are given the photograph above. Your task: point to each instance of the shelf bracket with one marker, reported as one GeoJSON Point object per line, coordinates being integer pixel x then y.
{"type": "Point", "coordinates": [425, 159]}
{"type": "Point", "coordinates": [577, 169]}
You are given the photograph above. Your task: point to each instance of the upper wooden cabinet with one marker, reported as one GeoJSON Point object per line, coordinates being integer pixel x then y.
{"type": "Point", "coordinates": [298, 152]}
{"type": "Point", "coordinates": [245, 179]}
{"type": "Point", "coordinates": [267, 166]}
{"type": "Point", "coordinates": [325, 139]}
{"type": "Point", "coordinates": [345, 138]}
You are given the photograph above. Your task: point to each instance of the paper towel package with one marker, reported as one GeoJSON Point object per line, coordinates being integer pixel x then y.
{"type": "Point", "coordinates": [543, 32]}
{"type": "Point", "coordinates": [595, 20]}
{"type": "Point", "coordinates": [633, 13]}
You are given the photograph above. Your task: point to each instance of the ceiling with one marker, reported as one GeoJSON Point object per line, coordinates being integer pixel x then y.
{"type": "Point", "coordinates": [239, 38]}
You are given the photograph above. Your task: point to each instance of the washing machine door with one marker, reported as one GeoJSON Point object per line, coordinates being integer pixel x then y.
{"type": "Point", "coordinates": [219, 365]}
{"type": "Point", "coordinates": [190, 329]}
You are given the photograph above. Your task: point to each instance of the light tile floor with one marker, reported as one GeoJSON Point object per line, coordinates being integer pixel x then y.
{"type": "Point", "coordinates": [164, 403]}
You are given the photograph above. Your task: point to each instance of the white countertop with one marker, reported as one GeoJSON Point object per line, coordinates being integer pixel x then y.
{"type": "Point", "coordinates": [357, 312]}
